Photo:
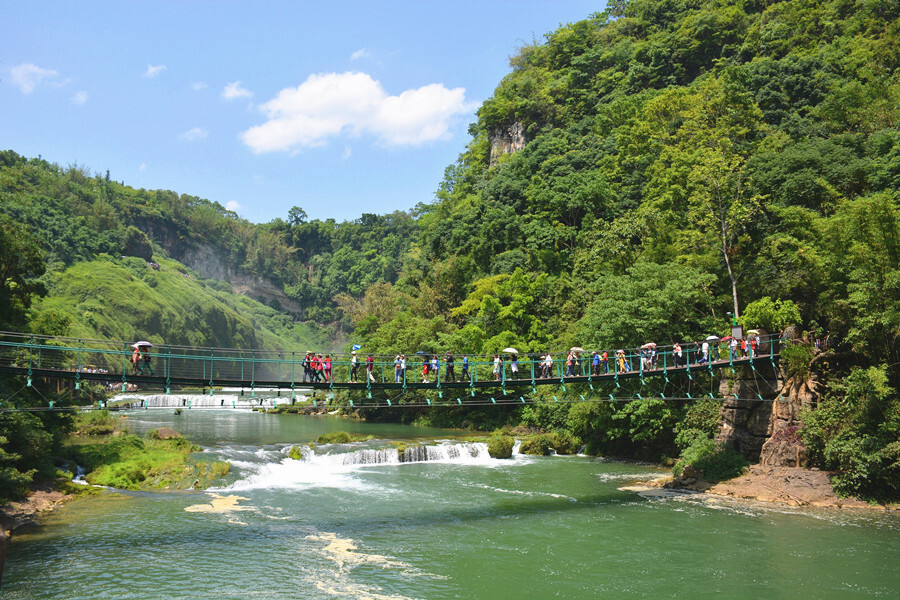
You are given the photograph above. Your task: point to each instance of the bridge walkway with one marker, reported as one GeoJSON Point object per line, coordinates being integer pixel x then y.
{"type": "Point", "coordinates": [181, 367]}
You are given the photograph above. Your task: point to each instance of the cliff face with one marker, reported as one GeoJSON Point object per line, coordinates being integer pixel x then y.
{"type": "Point", "coordinates": [204, 259]}
{"type": "Point", "coordinates": [765, 431]}
{"type": "Point", "coordinates": [746, 416]}
{"type": "Point", "coordinates": [506, 141]}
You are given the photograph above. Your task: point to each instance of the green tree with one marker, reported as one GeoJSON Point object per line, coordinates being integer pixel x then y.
{"type": "Point", "coordinates": [21, 263]}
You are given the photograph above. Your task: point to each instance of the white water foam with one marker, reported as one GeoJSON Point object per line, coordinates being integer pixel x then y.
{"type": "Point", "coordinates": [328, 467]}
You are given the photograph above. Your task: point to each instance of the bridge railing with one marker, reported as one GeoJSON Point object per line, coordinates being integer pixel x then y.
{"type": "Point", "coordinates": [214, 366]}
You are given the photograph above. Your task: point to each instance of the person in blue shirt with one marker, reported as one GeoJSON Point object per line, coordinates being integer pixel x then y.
{"type": "Point", "coordinates": [465, 368]}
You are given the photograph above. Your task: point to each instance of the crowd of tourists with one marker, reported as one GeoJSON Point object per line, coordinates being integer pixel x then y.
{"type": "Point", "coordinates": [506, 365]}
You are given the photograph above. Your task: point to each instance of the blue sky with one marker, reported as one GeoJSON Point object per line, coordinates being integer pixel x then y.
{"type": "Point", "coordinates": [340, 107]}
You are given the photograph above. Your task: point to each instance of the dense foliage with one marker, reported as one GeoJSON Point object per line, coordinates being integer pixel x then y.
{"type": "Point", "coordinates": [683, 162]}
{"type": "Point", "coordinates": [856, 431]}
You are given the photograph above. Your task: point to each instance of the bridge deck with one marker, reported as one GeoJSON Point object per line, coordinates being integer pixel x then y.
{"type": "Point", "coordinates": [207, 368]}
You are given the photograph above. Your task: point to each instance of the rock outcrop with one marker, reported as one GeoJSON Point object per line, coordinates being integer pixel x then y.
{"type": "Point", "coordinates": [746, 416]}
{"type": "Point", "coordinates": [784, 448]}
{"type": "Point", "coordinates": [506, 141]}
{"type": "Point", "coordinates": [766, 430]}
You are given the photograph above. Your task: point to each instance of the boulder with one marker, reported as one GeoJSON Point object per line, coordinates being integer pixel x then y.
{"type": "Point", "coordinates": [167, 433]}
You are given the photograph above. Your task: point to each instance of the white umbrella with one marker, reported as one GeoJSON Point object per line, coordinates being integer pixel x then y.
{"type": "Point", "coordinates": [576, 349]}
{"type": "Point", "coordinates": [510, 351]}
{"type": "Point", "coordinates": [753, 332]}
{"type": "Point", "coordinates": [712, 337]}
{"type": "Point", "coordinates": [649, 345]}
{"type": "Point", "coordinates": [142, 343]}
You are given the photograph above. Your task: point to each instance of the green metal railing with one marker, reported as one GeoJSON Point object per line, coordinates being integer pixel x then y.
{"type": "Point", "coordinates": [110, 361]}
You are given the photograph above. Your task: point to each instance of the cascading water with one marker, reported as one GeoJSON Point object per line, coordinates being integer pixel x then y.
{"type": "Point", "coordinates": [444, 452]}
{"type": "Point", "coordinates": [175, 400]}
{"type": "Point", "coordinates": [339, 465]}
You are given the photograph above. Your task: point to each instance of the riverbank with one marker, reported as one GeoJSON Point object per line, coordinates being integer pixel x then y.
{"type": "Point", "coordinates": [44, 497]}
{"type": "Point", "coordinates": [793, 486]}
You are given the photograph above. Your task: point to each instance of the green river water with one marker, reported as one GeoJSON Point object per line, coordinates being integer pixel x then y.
{"type": "Point", "coordinates": [342, 523]}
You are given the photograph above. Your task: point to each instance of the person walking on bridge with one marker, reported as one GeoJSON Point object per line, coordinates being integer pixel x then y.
{"type": "Point", "coordinates": [314, 369]}
{"type": "Point", "coordinates": [145, 353]}
{"type": "Point", "coordinates": [465, 368]}
{"type": "Point", "coordinates": [307, 372]}
{"type": "Point", "coordinates": [451, 368]}
{"type": "Point", "coordinates": [354, 366]}
{"type": "Point", "coordinates": [136, 364]}
{"type": "Point", "coordinates": [370, 365]}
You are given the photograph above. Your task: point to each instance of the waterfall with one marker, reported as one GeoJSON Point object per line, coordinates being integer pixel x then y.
{"type": "Point", "coordinates": [463, 452]}
{"type": "Point", "coordinates": [176, 400]}
{"type": "Point", "coordinates": [335, 465]}
{"type": "Point", "coordinates": [445, 452]}
{"type": "Point", "coordinates": [385, 456]}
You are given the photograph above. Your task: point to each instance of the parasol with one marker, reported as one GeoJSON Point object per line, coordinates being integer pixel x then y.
{"type": "Point", "coordinates": [576, 349]}
{"type": "Point", "coordinates": [649, 345]}
{"type": "Point", "coordinates": [510, 351]}
{"type": "Point", "coordinates": [141, 344]}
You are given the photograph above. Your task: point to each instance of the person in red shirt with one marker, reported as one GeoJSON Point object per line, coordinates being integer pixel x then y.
{"type": "Point", "coordinates": [314, 368]}
{"type": "Point", "coordinates": [370, 366]}
{"type": "Point", "coordinates": [327, 367]}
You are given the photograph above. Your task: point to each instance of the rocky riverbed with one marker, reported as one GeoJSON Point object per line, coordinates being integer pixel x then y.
{"type": "Point", "coordinates": [794, 486]}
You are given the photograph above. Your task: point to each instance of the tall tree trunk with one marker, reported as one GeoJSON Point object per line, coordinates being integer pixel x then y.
{"type": "Point", "coordinates": [731, 275]}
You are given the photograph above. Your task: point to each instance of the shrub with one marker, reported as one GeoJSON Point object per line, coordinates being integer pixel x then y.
{"type": "Point", "coordinates": [335, 437]}
{"type": "Point", "coordinates": [538, 445]}
{"type": "Point", "coordinates": [561, 442]}
{"type": "Point", "coordinates": [98, 422]}
{"type": "Point", "coordinates": [716, 462]}
{"type": "Point", "coordinates": [722, 464]}
{"type": "Point", "coordinates": [700, 421]}
{"type": "Point", "coordinates": [700, 447]}
{"type": "Point", "coordinates": [796, 359]}
{"type": "Point", "coordinates": [855, 432]}
{"type": "Point", "coordinates": [501, 446]}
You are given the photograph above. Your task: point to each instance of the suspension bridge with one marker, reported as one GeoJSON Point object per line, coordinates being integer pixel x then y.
{"type": "Point", "coordinates": [172, 368]}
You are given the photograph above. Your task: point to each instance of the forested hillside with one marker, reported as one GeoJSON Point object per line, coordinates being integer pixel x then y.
{"type": "Point", "coordinates": [639, 175]}
{"type": "Point", "coordinates": [681, 160]}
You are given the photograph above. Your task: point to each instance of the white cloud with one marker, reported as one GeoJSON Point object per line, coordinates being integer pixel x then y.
{"type": "Point", "coordinates": [153, 71]}
{"type": "Point", "coordinates": [28, 76]}
{"type": "Point", "coordinates": [143, 167]}
{"type": "Point", "coordinates": [361, 53]}
{"type": "Point", "coordinates": [233, 205]}
{"type": "Point", "coordinates": [348, 152]}
{"type": "Point", "coordinates": [332, 104]}
{"type": "Point", "coordinates": [198, 86]}
{"type": "Point", "coordinates": [234, 90]}
{"type": "Point", "coordinates": [197, 133]}
{"type": "Point", "coordinates": [80, 97]}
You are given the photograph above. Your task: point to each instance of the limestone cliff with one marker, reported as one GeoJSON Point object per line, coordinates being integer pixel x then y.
{"type": "Point", "coordinates": [765, 430]}
{"type": "Point", "coordinates": [204, 259]}
{"type": "Point", "coordinates": [746, 416]}
{"type": "Point", "coordinates": [507, 140]}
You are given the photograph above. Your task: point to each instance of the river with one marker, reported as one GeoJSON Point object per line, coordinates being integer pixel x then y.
{"type": "Point", "coordinates": [347, 522]}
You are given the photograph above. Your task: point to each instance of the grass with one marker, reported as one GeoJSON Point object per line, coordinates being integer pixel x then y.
{"type": "Point", "coordinates": [123, 460]}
